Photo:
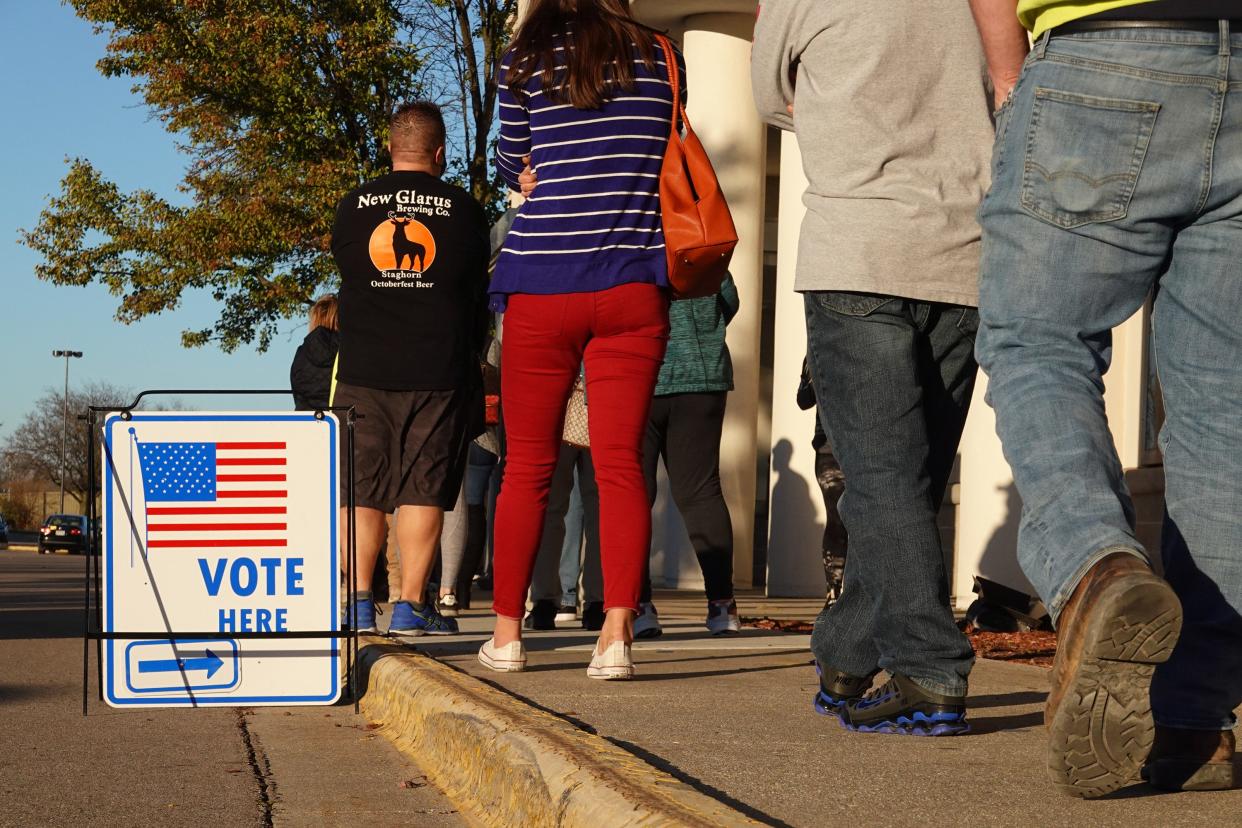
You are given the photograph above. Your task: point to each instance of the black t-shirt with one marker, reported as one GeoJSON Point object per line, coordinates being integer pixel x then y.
{"type": "Point", "coordinates": [1174, 10]}
{"type": "Point", "coordinates": [413, 253]}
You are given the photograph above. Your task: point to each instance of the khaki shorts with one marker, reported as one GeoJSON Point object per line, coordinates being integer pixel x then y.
{"type": "Point", "coordinates": [409, 446]}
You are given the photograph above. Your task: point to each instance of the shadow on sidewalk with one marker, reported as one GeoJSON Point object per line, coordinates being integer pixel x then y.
{"type": "Point", "coordinates": [740, 654]}
{"type": "Point", "coordinates": [1006, 699]}
{"type": "Point", "coordinates": [702, 787]}
{"type": "Point", "coordinates": [997, 724]}
{"type": "Point", "coordinates": [981, 726]}
{"type": "Point", "coordinates": [373, 653]}
{"type": "Point", "coordinates": [543, 641]}
{"type": "Point", "coordinates": [656, 761]}
{"type": "Point", "coordinates": [646, 676]}
{"type": "Point", "coordinates": [737, 671]}
{"type": "Point", "coordinates": [1137, 790]}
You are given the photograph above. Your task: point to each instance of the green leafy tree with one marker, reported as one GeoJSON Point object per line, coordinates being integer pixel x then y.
{"type": "Point", "coordinates": [280, 107]}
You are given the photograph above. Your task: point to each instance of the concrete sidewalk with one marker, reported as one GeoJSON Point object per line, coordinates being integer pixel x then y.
{"type": "Point", "coordinates": [732, 717]}
{"type": "Point", "coordinates": [293, 767]}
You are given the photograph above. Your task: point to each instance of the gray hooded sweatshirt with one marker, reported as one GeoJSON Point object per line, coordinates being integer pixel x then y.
{"type": "Point", "coordinates": [892, 113]}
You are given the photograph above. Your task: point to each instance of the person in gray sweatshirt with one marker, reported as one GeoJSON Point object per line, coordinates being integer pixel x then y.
{"type": "Point", "coordinates": [891, 110]}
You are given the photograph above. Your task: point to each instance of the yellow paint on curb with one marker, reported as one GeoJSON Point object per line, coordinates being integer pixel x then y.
{"type": "Point", "coordinates": [506, 763]}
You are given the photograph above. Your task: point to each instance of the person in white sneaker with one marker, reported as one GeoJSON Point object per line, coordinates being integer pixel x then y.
{"type": "Point", "coordinates": [683, 429]}
{"type": "Point", "coordinates": [588, 88]}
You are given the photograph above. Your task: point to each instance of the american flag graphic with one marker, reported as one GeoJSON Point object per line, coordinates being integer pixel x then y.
{"type": "Point", "coordinates": [210, 495]}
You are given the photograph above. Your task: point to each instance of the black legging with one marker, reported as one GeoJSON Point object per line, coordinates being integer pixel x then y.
{"type": "Point", "coordinates": [685, 429]}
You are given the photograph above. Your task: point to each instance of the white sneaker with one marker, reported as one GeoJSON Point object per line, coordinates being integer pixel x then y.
{"type": "Point", "coordinates": [647, 624]}
{"type": "Point", "coordinates": [566, 614]}
{"type": "Point", "coordinates": [614, 663]}
{"type": "Point", "coordinates": [510, 658]}
{"type": "Point", "coordinates": [722, 617]}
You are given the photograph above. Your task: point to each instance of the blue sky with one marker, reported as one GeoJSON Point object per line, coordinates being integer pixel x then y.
{"type": "Point", "coordinates": [57, 105]}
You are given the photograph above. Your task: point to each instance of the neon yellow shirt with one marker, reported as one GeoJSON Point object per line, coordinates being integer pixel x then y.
{"type": "Point", "coordinates": [336, 363]}
{"type": "Point", "coordinates": [1041, 15]}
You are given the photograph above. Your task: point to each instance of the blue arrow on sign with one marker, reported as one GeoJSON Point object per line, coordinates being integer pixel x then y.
{"type": "Point", "coordinates": [210, 662]}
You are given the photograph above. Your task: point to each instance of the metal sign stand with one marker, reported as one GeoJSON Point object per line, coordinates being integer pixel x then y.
{"type": "Point", "coordinates": [94, 562]}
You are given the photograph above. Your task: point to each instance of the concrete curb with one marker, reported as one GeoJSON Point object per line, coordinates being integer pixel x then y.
{"type": "Point", "coordinates": [507, 763]}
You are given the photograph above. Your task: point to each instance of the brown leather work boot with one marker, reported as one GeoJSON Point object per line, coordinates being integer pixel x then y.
{"type": "Point", "coordinates": [1192, 760]}
{"type": "Point", "coordinates": [1120, 622]}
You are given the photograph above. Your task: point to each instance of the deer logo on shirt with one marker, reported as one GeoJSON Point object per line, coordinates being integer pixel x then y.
{"type": "Point", "coordinates": [402, 247]}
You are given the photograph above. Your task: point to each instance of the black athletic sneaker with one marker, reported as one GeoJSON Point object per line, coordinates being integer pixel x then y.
{"type": "Point", "coordinates": [542, 616]}
{"type": "Point", "coordinates": [900, 706]}
{"type": "Point", "coordinates": [837, 689]}
{"type": "Point", "coordinates": [593, 616]}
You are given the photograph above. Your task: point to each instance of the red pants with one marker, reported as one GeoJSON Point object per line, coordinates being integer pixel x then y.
{"type": "Point", "coordinates": [620, 335]}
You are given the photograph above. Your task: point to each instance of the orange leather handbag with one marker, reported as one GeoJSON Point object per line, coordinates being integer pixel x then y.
{"type": "Point", "coordinates": [699, 235]}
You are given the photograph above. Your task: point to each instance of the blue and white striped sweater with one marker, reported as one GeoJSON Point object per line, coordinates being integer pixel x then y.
{"type": "Point", "coordinates": [593, 221]}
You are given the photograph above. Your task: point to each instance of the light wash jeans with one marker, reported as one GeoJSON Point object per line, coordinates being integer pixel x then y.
{"type": "Point", "coordinates": [1118, 171]}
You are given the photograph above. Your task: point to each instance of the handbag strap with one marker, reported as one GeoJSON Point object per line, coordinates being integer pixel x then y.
{"type": "Point", "coordinates": [670, 63]}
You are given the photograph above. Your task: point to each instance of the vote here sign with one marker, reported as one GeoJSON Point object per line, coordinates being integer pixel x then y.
{"type": "Point", "coordinates": [217, 524]}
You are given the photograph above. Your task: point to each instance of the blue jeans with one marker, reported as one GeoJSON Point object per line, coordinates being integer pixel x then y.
{"type": "Point", "coordinates": [483, 473]}
{"type": "Point", "coordinates": [571, 547]}
{"type": "Point", "coordinates": [479, 473]}
{"type": "Point", "coordinates": [1118, 172]}
{"type": "Point", "coordinates": [894, 379]}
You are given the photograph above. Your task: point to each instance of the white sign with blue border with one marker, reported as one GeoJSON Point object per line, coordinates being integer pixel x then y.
{"type": "Point", "coordinates": [216, 524]}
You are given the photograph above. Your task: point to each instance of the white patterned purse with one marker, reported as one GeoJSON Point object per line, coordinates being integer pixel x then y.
{"type": "Point", "coordinates": [576, 432]}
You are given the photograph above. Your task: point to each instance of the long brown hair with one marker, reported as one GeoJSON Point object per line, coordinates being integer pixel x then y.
{"type": "Point", "coordinates": [323, 314]}
{"type": "Point", "coordinates": [599, 38]}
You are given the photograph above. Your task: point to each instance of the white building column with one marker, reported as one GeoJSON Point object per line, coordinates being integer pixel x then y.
{"type": "Point", "coordinates": [796, 508]}
{"type": "Point", "coordinates": [721, 109]}
{"type": "Point", "coordinates": [989, 510]}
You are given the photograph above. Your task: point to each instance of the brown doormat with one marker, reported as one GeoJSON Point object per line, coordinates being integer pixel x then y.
{"type": "Point", "coordinates": [1034, 647]}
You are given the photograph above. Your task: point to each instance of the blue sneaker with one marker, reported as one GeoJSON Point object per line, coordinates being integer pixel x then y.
{"type": "Point", "coordinates": [838, 689]}
{"type": "Point", "coordinates": [901, 706]}
{"type": "Point", "coordinates": [364, 611]}
{"type": "Point", "coordinates": [410, 622]}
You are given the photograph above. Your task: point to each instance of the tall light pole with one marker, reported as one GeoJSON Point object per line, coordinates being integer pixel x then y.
{"type": "Point", "coordinates": [64, 431]}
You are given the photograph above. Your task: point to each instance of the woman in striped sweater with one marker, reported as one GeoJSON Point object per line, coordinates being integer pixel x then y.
{"type": "Point", "coordinates": [586, 108]}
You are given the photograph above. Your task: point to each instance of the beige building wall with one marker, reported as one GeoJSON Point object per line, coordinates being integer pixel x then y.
{"type": "Point", "coordinates": [796, 507]}
{"type": "Point", "coordinates": [990, 508]}
{"type": "Point", "coordinates": [715, 40]}
{"type": "Point", "coordinates": [717, 51]}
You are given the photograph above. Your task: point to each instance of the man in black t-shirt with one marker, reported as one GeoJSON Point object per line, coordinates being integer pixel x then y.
{"type": "Point", "coordinates": [412, 251]}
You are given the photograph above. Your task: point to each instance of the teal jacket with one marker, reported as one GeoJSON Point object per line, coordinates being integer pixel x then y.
{"type": "Point", "coordinates": [697, 360]}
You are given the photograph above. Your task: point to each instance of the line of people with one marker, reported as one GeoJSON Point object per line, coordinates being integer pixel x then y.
{"type": "Point", "coordinates": [1102, 166]}
{"type": "Point", "coordinates": [972, 200]}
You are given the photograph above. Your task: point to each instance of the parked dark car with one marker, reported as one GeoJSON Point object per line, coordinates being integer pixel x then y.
{"type": "Point", "coordinates": [4, 533]}
{"type": "Point", "coordinates": [63, 532]}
